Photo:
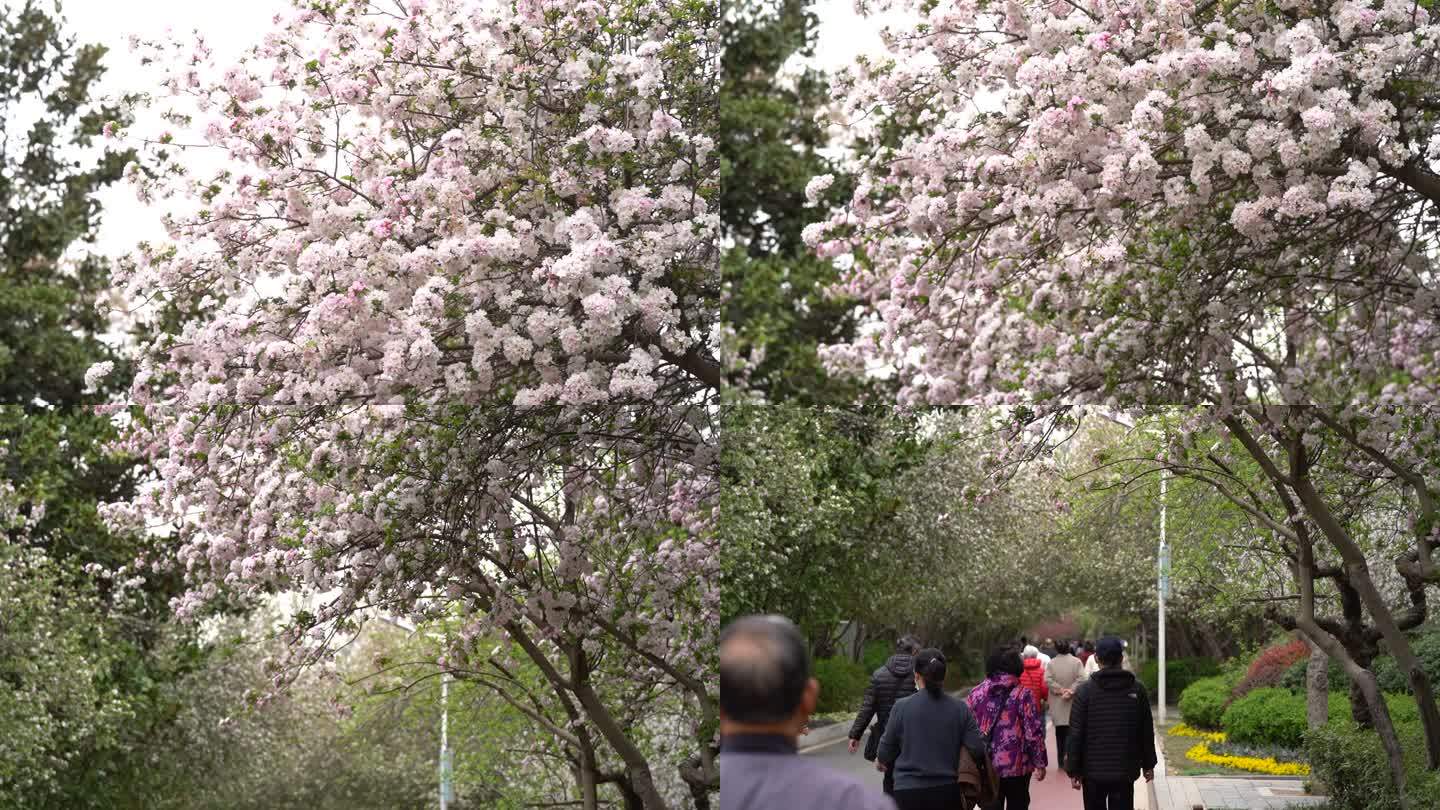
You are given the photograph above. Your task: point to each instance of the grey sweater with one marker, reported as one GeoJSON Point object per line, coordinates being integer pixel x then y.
{"type": "Point", "coordinates": [763, 772]}
{"type": "Point", "coordinates": [923, 738]}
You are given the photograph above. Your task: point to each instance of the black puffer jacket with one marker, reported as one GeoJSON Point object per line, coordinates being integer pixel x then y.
{"type": "Point", "coordinates": [888, 684]}
{"type": "Point", "coordinates": [1112, 734]}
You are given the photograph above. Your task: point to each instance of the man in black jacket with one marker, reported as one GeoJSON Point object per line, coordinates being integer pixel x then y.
{"type": "Point", "coordinates": [1112, 734]}
{"type": "Point", "coordinates": [889, 683]}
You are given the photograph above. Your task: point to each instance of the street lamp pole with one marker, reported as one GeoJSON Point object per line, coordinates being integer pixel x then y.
{"type": "Point", "coordinates": [1164, 587]}
{"type": "Point", "coordinates": [445, 770]}
{"type": "Point", "coordinates": [447, 787]}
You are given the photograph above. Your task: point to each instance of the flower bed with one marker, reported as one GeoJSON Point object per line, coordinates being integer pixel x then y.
{"type": "Point", "coordinates": [1182, 730]}
{"type": "Point", "coordinates": [1267, 765]}
{"type": "Point", "coordinates": [1246, 759]}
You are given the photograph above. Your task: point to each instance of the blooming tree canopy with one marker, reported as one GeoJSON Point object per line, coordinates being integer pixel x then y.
{"type": "Point", "coordinates": [1151, 203]}
{"type": "Point", "coordinates": [435, 339]}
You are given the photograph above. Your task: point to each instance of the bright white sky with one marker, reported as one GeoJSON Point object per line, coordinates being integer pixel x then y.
{"type": "Point", "coordinates": [229, 28]}
{"type": "Point", "coordinates": [843, 34]}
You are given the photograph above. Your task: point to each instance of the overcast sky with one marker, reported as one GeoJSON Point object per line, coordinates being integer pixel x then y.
{"type": "Point", "coordinates": [229, 27]}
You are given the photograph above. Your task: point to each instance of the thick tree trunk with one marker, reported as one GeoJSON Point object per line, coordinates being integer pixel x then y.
{"type": "Point", "coordinates": [1358, 572]}
{"type": "Point", "coordinates": [1317, 687]}
{"type": "Point", "coordinates": [1364, 681]}
{"type": "Point", "coordinates": [636, 766]}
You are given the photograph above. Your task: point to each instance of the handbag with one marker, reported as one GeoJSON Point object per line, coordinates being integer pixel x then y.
{"type": "Point", "coordinates": [979, 781]}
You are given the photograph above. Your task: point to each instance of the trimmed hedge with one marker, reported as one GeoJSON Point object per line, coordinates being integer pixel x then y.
{"type": "Point", "coordinates": [842, 684]}
{"type": "Point", "coordinates": [1202, 704]}
{"type": "Point", "coordinates": [1267, 716]}
{"type": "Point", "coordinates": [1179, 674]}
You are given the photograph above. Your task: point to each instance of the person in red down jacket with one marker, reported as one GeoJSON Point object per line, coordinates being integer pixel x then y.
{"type": "Point", "coordinates": [1033, 678]}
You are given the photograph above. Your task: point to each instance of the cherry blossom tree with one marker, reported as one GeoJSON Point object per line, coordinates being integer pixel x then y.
{"type": "Point", "coordinates": [435, 340]}
{"type": "Point", "coordinates": [1150, 203]}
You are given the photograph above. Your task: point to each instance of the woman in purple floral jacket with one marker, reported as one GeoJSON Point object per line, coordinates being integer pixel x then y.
{"type": "Point", "coordinates": [1010, 718]}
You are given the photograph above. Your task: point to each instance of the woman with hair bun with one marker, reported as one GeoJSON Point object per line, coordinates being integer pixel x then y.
{"type": "Point", "coordinates": [922, 740]}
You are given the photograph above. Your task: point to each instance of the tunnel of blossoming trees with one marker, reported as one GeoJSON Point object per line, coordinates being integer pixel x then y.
{"type": "Point", "coordinates": [398, 396]}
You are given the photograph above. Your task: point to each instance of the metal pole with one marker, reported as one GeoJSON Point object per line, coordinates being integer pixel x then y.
{"type": "Point", "coordinates": [1164, 586]}
{"type": "Point", "coordinates": [445, 786]}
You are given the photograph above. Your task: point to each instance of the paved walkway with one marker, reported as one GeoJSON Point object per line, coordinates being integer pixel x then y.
{"type": "Point", "coordinates": [1227, 792]}
{"type": "Point", "coordinates": [1054, 793]}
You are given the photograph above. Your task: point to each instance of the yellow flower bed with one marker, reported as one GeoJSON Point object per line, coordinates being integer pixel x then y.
{"type": "Point", "coordinates": [1182, 730]}
{"type": "Point", "coordinates": [1201, 753]}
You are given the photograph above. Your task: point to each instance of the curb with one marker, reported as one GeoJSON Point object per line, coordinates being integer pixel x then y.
{"type": "Point", "coordinates": [826, 735]}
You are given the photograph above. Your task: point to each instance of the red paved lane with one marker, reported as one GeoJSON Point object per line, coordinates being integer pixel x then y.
{"type": "Point", "coordinates": [1055, 792]}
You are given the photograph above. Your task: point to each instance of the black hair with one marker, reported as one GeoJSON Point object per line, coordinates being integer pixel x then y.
{"type": "Point", "coordinates": [1089, 646]}
{"type": "Point", "coordinates": [1004, 660]}
{"type": "Point", "coordinates": [1024, 641]}
{"type": "Point", "coordinates": [764, 667]}
{"type": "Point", "coordinates": [930, 663]}
{"type": "Point", "coordinates": [1062, 648]}
{"type": "Point", "coordinates": [907, 645]}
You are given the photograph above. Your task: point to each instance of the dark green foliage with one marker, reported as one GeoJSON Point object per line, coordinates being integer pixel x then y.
{"type": "Point", "coordinates": [1294, 677]}
{"type": "Point", "coordinates": [876, 653]}
{"type": "Point", "coordinates": [55, 444]}
{"type": "Point", "coordinates": [1202, 703]}
{"type": "Point", "coordinates": [775, 288]}
{"type": "Point", "coordinates": [842, 684]}
{"type": "Point", "coordinates": [1267, 716]}
{"type": "Point", "coordinates": [1426, 647]}
{"type": "Point", "coordinates": [1179, 673]}
{"type": "Point", "coordinates": [1350, 764]}
{"type": "Point", "coordinates": [50, 327]}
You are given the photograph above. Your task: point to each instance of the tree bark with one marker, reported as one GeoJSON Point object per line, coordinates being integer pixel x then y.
{"type": "Point", "coordinates": [1317, 687]}
{"type": "Point", "coordinates": [1395, 639]}
{"type": "Point", "coordinates": [636, 766]}
{"type": "Point", "coordinates": [1357, 572]}
{"type": "Point", "coordinates": [1361, 677]}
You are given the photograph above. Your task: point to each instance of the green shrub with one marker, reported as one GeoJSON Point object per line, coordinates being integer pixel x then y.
{"type": "Point", "coordinates": [842, 684]}
{"type": "Point", "coordinates": [1294, 677]}
{"type": "Point", "coordinates": [1266, 716]}
{"type": "Point", "coordinates": [876, 653]}
{"type": "Point", "coordinates": [1350, 764]}
{"type": "Point", "coordinates": [1426, 647]}
{"type": "Point", "coordinates": [1202, 704]}
{"type": "Point", "coordinates": [1179, 673]}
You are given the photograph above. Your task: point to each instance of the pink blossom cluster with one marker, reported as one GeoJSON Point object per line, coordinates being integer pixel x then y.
{"type": "Point", "coordinates": [435, 341]}
{"type": "Point", "coordinates": [1155, 203]}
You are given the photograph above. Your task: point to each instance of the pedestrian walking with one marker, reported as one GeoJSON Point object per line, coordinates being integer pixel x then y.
{"type": "Point", "coordinates": [1010, 719]}
{"type": "Point", "coordinates": [1050, 649]}
{"type": "Point", "coordinates": [922, 740]}
{"type": "Point", "coordinates": [1092, 665]}
{"type": "Point", "coordinates": [1063, 677]}
{"type": "Point", "coordinates": [1032, 677]}
{"type": "Point", "coordinates": [1087, 650]}
{"type": "Point", "coordinates": [767, 695]}
{"type": "Point", "coordinates": [1112, 734]}
{"type": "Point", "coordinates": [889, 683]}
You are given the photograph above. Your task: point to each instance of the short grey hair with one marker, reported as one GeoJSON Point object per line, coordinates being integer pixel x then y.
{"type": "Point", "coordinates": [1030, 652]}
